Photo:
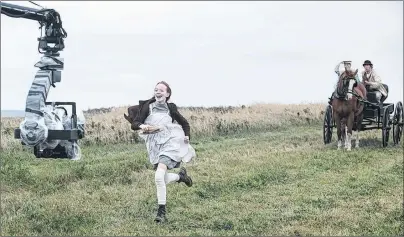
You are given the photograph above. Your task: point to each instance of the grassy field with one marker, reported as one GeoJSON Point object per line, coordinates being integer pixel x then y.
{"type": "Point", "coordinates": [263, 171]}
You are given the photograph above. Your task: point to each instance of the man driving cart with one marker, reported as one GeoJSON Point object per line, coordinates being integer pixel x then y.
{"type": "Point", "coordinates": [373, 83]}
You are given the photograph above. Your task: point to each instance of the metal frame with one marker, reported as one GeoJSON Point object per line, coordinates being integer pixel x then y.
{"type": "Point", "coordinates": [378, 115]}
{"type": "Point", "coordinates": [72, 135]}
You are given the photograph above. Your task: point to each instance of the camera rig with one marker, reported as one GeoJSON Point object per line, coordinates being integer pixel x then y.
{"type": "Point", "coordinates": [34, 131]}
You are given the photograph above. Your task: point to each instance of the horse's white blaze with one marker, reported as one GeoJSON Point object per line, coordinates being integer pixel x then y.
{"type": "Point", "coordinates": [350, 88]}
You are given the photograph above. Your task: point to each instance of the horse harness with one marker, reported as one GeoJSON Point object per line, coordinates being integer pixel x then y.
{"type": "Point", "coordinates": [342, 90]}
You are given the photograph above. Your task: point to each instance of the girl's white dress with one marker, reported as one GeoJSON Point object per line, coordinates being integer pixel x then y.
{"type": "Point", "coordinates": [169, 142]}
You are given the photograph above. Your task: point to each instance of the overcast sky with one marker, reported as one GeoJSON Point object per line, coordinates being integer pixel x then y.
{"type": "Point", "coordinates": [211, 53]}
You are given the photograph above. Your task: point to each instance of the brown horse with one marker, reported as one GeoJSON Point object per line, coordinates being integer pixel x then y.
{"type": "Point", "coordinates": [347, 108]}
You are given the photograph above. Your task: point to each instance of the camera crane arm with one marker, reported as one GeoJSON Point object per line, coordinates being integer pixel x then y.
{"type": "Point", "coordinates": [48, 18]}
{"type": "Point", "coordinates": [34, 131]}
{"type": "Point", "coordinates": [16, 11]}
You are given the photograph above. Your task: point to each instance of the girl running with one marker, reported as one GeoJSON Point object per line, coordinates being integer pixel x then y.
{"type": "Point", "coordinates": [167, 143]}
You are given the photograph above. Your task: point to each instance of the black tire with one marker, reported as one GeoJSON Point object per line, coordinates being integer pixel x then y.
{"type": "Point", "coordinates": [398, 119]}
{"type": "Point", "coordinates": [386, 127]}
{"type": "Point", "coordinates": [328, 125]}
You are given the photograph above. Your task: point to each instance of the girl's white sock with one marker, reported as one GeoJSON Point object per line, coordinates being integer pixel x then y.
{"type": "Point", "coordinates": [171, 177]}
{"type": "Point", "coordinates": [160, 185]}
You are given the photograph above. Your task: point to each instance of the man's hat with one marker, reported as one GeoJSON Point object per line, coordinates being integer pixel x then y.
{"type": "Point", "coordinates": [367, 62]}
{"type": "Point", "coordinates": [350, 62]}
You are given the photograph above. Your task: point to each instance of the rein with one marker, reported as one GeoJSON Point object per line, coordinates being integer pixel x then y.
{"type": "Point", "coordinates": [356, 95]}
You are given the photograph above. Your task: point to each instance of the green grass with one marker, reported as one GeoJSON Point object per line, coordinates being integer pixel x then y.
{"type": "Point", "coordinates": [284, 182]}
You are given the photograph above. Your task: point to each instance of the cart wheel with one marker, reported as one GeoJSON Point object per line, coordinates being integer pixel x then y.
{"type": "Point", "coordinates": [386, 127]}
{"type": "Point", "coordinates": [328, 124]}
{"type": "Point", "coordinates": [398, 123]}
